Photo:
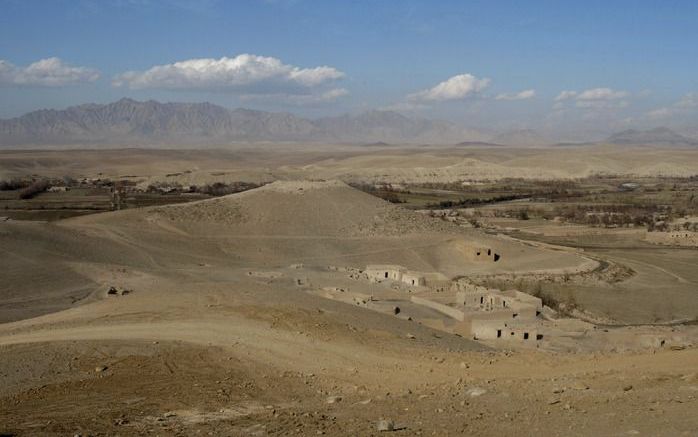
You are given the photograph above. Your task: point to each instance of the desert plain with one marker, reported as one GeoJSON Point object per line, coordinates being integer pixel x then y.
{"type": "Point", "coordinates": [332, 290]}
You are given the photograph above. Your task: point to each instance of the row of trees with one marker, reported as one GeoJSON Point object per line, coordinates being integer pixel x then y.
{"type": "Point", "coordinates": [34, 188]}
{"type": "Point", "coordinates": [14, 184]}
{"type": "Point", "coordinates": [385, 193]}
{"type": "Point", "coordinates": [476, 201]}
{"type": "Point", "coordinates": [215, 189]}
{"type": "Point", "coordinates": [27, 188]}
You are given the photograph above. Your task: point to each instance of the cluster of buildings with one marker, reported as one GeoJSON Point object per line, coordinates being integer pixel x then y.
{"type": "Point", "coordinates": [499, 315]}
{"type": "Point", "coordinates": [474, 311]}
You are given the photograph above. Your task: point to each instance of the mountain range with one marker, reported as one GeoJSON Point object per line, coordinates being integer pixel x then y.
{"type": "Point", "coordinates": [130, 122]}
{"type": "Point", "coordinates": [660, 136]}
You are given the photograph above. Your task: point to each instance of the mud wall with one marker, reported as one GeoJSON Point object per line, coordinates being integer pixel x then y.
{"type": "Point", "coordinates": [444, 309]}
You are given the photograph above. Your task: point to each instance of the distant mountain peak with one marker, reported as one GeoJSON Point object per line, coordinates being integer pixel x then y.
{"type": "Point", "coordinates": [659, 136]}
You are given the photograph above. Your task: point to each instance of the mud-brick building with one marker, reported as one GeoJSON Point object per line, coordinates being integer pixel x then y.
{"type": "Point", "coordinates": [392, 272]}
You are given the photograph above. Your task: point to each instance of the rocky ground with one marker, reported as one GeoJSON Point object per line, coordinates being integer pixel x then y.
{"type": "Point", "coordinates": [175, 388]}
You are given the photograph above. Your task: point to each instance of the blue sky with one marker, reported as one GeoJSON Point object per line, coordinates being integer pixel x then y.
{"type": "Point", "coordinates": [630, 63]}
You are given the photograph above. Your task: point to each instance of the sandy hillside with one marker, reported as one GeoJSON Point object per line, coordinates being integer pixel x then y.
{"type": "Point", "coordinates": [215, 327]}
{"type": "Point", "coordinates": [313, 223]}
{"type": "Point", "coordinates": [319, 223]}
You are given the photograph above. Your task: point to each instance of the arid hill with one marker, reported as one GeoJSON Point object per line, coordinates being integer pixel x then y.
{"type": "Point", "coordinates": [283, 223]}
{"type": "Point", "coordinates": [320, 222]}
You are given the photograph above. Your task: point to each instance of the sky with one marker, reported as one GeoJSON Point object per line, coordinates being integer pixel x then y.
{"type": "Point", "coordinates": [571, 68]}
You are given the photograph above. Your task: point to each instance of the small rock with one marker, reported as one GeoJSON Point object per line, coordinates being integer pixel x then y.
{"type": "Point", "coordinates": [170, 414]}
{"type": "Point", "coordinates": [475, 392]}
{"type": "Point", "coordinates": [385, 425]}
{"type": "Point", "coordinates": [411, 336]}
{"type": "Point", "coordinates": [333, 399]}
{"type": "Point", "coordinates": [553, 401]}
{"type": "Point", "coordinates": [627, 388]}
{"type": "Point", "coordinates": [100, 369]}
{"type": "Point", "coordinates": [579, 386]}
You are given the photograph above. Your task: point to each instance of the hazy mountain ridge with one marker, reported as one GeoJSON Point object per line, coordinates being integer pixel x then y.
{"type": "Point", "coordinates": [662, 136]}
{"type": "Point", "coordinates": [148, 122]}
{"type": "Point", "coordinates": [521, 137]}
{"type": "Point", "coordinates": [135, 123]}
{"type": "Point", "coordinates": [141, 123]}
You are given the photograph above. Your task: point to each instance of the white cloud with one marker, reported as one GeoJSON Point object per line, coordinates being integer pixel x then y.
{"type": "Point", "coordinates": [50, 72]}
{"type": "Point", "coordinates": [245, 74]}
{"type": "Point", "coordinates": [685, 106]}
{"type": "Point", "coordinates": [601, 94]}
{"type": "Point", "coordinates": [455, 88]}
{"type": "Point", "coordinates": [334, 94]}
{"type": "Point", "coordinates": [404, 107]}
{"type": "Point", "coordinates": [565, 95]}
{"type": "Point", "coordinates": [522, 95]}
{"type": "Point", "coordinates": [660, 113]}
{"type": "Point", "coordinates": [690, 100]}
{"type": "Point", "coordinates": [601, 104]}
{"type": "Point", "coordinates": [299, 99]}
{"type": "Point", "coordinates": [595, 98]}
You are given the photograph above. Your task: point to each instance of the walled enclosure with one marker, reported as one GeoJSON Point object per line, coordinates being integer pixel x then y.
{"type": "Point", "coordinates": [488, 314]}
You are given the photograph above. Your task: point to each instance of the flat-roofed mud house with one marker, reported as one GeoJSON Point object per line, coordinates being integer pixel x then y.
{"type": "Point", "coordinates": [504, 330]}
{"type": "Point", "coordinates": [395, 273]}
{"type": "Point", "coordinates": [520, 305]}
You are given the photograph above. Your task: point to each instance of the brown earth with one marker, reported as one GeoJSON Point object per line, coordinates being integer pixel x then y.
{"type": "Point", "coordinates": [199, 344]}
{"type": "Point", "coordinates": [267, 162]}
